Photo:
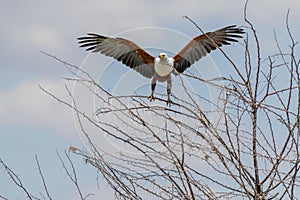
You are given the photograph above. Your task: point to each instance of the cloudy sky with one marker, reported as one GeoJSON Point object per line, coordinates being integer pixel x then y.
{"type": "Point", "coordinates": [31, 123]}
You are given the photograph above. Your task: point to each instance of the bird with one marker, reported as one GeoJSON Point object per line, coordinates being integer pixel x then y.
{"type": "Point", "coordinates": [162, 67]}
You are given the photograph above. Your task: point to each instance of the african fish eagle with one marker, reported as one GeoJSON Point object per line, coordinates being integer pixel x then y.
{"type": "Point", "coordinates": [161, 67]}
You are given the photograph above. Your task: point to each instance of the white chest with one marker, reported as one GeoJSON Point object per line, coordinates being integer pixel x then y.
{"type": "Point", "coordinates": [163, 68]}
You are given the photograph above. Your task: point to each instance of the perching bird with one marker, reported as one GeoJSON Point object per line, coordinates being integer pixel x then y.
{"type": "Point", "coordinates": [161, 67]}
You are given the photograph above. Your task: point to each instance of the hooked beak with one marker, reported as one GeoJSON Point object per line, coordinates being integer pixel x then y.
{"type": "Point", "coordinates": [161, 55]}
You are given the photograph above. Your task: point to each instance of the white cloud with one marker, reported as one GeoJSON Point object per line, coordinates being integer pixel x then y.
{"type": "Point", "coordinates": [26, 105]}
{"type": "Point", "coordinates": [43, 37]}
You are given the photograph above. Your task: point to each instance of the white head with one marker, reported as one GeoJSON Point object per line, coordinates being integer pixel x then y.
{"type": "Point", "coordinates": [163, 56]}
{"type": "Point", "coordinates": [163, 65]}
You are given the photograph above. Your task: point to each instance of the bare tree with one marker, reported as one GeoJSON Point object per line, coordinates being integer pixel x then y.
{"type": "Point", "coordinates": [244, 145]}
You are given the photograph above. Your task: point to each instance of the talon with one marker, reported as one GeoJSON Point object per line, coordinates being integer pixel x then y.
{"type": "Point", "coordinates": [169, 102]}
{"type": "Point", "coordinates": [151, 97]}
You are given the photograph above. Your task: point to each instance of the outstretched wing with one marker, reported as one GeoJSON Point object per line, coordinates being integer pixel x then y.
{"type": "Point", "coordinates": [204, 44]}
{"type": "Point", "coordinates": [122, 50]}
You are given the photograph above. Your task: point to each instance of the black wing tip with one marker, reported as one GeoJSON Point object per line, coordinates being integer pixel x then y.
{"type": "Point", "coordinates": [90, 41]}
{"type": "Point", "coordinates": [234, 29]}
{"type": "Point", "coordinates": [91, 36]}
{"type": "Point", "coordinates": [83, 42]}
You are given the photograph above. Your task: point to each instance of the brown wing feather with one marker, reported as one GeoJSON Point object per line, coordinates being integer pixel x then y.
{"type": "Point", "coordinates": [122, 50]}
{"type": "Point", "coordinates": [204, 44]}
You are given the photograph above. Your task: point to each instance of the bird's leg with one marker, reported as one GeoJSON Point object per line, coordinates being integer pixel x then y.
{"type": "Point", "coordinates": [153, 84]}
{"type": "Point", "coordinates": [169, 87]}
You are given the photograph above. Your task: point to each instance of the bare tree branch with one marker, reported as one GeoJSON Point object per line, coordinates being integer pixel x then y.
{"type": "Point", "coordinates": [16, 180]}
{"type": "Point", "coordinates": [42, 177]}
